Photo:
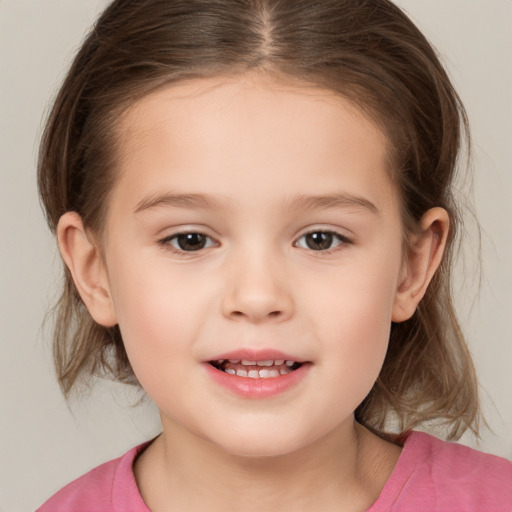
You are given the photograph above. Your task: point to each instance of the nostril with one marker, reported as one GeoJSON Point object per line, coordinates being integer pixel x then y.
{"type": "Point", "coordinates": [271, 315]}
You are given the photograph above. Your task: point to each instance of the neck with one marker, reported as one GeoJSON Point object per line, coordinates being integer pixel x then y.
{"type": "Point", "coordinates": [182, 472]}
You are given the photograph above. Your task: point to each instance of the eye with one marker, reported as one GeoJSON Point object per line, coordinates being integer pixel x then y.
{"type": "Point", "coordinates": [189, 242]}
{"type": "Point", "coordinates": [321, 240]}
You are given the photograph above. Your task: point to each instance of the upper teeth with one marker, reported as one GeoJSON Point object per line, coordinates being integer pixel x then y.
{"type": "Point", "coordinates": [270, 362]}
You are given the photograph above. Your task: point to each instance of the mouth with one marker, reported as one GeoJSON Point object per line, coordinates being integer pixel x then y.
{"type": "Point", "coordinates": [257, 374]}
{"type": "Point", "coordinates": [253, 369]}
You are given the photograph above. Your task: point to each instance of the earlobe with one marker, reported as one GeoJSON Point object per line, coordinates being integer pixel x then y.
{"type": "Point", "coordinates": [423, 259]}
{"type": "Point", "coordinates": [87, 268]}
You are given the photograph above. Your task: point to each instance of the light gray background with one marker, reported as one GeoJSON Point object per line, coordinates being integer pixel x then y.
{"type": "Point", "coordinates": [45, 444]}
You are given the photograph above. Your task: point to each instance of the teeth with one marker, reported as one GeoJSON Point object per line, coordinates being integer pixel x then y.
{"type": "Point", "coordinates": [265, 363]}
{"type": "Point", "coordinates": [259, 374]}
{"type": "Point", "coordinates": [246, 362]}
{"type": "Point", "coordinates": [265, 374]}
{"type": "Point", "coordinates": [270, 362]}
{"type": "Point", "coordinates": [269, 368]}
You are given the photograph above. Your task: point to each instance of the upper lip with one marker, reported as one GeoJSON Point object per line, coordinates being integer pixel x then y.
{"type": "Point", "coordinates": [248, 354]}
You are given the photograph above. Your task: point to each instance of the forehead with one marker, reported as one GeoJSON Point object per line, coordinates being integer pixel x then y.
{"type": "Point", "coordinates": [238, 133]}
{"type": "Point", "coordinates": [251, 95]}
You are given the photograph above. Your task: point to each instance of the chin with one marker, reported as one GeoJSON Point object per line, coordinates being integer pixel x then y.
{"type": "Point", "coordinates": [263, 443]}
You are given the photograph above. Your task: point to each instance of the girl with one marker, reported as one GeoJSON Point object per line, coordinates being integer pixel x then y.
{"type": "Point", "coordinates": [253, 200]}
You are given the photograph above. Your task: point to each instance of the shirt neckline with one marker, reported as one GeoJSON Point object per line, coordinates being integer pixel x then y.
{"type": "Point", "coordinates": [126, 495]}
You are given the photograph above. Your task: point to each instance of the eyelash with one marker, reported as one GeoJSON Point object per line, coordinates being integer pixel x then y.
{"type": "Point", "coordinates": [342, 240]}
{"type": "Point", "coordinates": [166, 242]}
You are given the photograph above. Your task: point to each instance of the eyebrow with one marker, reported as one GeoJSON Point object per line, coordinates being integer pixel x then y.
{"type": "Point", "coordinates": [300, 202]}
{"type": "Point", "coordinates": [337, 200]}
{"type": "Point", "coordinates": [177, 201]}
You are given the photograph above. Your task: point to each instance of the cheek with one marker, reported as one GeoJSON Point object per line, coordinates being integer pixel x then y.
{"type": "Point", "coordinates": [358, 333]}
{"type": "Point", "coordinates": [352, 316]}
{"type": "Point", "coordinates": [357, 296]}
{"type": "Point", "coordinates": [158, 316]}
{"type": "Point", "coordinates": [357, 345]}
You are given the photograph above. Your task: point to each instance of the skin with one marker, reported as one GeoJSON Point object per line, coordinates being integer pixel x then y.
{"type": "Point", "coordinates": [256, 148]}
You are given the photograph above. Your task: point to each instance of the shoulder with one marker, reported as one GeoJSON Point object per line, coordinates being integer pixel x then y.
{"type": "Point", "coordinates": [455, 462]}
{"type": "Point", "coordinates": [437, 475]}
{"type": "Point", "coordinates": [110, 487]}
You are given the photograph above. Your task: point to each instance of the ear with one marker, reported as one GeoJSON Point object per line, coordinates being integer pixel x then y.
{"type": "Point", "coordinates": [84, 261]}
{"type": "Point", "coordinates": [423, 259]}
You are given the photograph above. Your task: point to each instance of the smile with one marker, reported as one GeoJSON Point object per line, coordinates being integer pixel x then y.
{"type": "Point", "coordinates": [257, 374]}
{"type": "Point", "coordinates": [268, 369]}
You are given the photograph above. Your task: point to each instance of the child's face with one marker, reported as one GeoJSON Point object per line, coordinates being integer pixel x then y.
{"type": "Point", "coordinates": [299, 253]}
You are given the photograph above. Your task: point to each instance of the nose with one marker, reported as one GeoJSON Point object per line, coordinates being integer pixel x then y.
{"type": "Point", "coordinates": [257, 291]}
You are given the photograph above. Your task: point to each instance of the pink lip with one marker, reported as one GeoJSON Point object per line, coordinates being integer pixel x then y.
{"type": "Point", "coordinates": [257, 388]}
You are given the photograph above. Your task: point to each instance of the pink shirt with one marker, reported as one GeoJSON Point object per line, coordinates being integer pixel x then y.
{"type": "Point", "coordinates": [431, 475]}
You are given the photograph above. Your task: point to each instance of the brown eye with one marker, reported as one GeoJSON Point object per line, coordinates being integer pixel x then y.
{"type": "Point", "coordinates": [189, 242]}
{"type": "Point", "coordinates": [320, 240]}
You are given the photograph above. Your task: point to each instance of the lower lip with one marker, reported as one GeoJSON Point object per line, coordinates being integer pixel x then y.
{"type": "Point", "coordinates": [258, 388]}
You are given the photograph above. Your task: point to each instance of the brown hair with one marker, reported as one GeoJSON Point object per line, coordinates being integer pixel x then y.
{"type": "Point", "coordinates": [366, 50]}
